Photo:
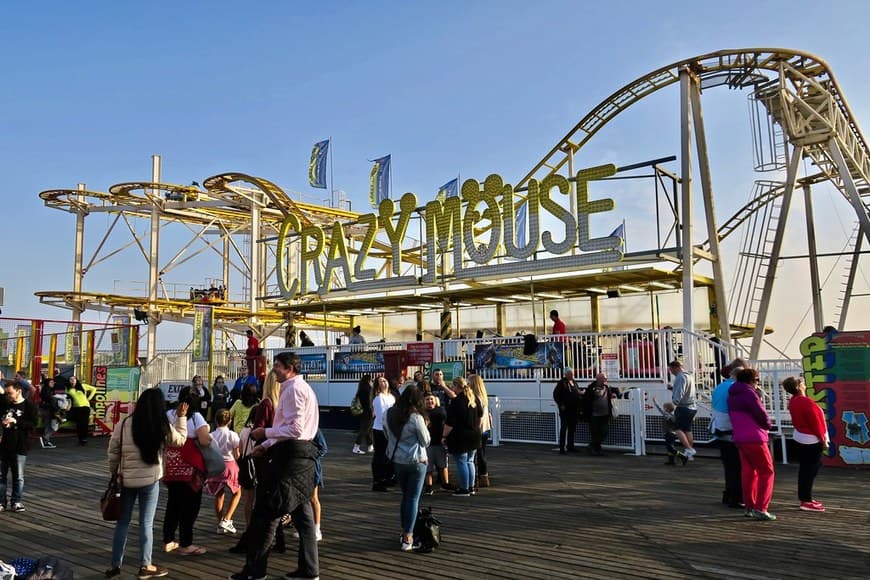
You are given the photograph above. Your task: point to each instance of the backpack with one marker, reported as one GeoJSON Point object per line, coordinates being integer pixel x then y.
{"type": "Point", "coordinates": [427, 531]}
{"type": "Point", "coordinates": [50, 568]}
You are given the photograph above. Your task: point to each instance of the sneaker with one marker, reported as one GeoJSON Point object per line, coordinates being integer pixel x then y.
{"type": "Point", "coordinates": [42, 442]}
{"type": "Point", "coordinates": [227, 527]}
{"type": "Point", "coordinates": [462, 493]}
{"type": "Point", "coordinates": [153, 572]}
{"type": "Point", "coordinates": [243, 576]}
{"type": "Point", "coordinates": [2, 507]}
{"type": "Point", "coordinates": [427, 490]}
{"type": "Point", "coordinates": [448, 487]}
{"type": "Point", "coordinates": [113, 573]}
{"type": "Point", "coordinates": [407, 546]}
{"type": "Point", "coordinates": [49, 445]}
{"type": "Point", "coordinates": [814, 502]}
{"type": "Point", "coordinates": [812, 506]}
{"type": "Point", "coordinates": [358, 451]}
{"type": "Point", "coordinates": [763, 516]}
{"type": "Point", "coordinates": [370, 449]}
{"type": "Point", "coordinates": [170, 547]}
{"type": "Point", "coordinates": [295, 575]}
{"type": "Point", "coordinates": [18, 507]}
{"type": "Point", "coordinates": [747, 513]}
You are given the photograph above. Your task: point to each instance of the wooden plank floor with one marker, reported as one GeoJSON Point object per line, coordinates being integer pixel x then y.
{"type": "Point", "coordinates": [546, 516]}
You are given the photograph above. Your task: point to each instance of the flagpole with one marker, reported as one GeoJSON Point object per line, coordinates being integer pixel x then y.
{"type": "Point", "coordinates": [331, 175]}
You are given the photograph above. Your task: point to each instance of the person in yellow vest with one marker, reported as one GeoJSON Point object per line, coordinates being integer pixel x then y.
{"type": "Point", "coordinates": [80, 413]}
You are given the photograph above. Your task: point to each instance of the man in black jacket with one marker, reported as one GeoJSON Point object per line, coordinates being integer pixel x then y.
{"type": "Point", "coordinates": [567, 398]}
{"type": "Point", "coordinates": [18, 417]}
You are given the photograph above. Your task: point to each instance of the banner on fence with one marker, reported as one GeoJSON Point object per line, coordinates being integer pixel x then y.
{"type": "Point", "coordinates": [505, 356]}
{"type": "Point", "coordinates": [121, 390]}
{"type": "Point", "coordinates": [420, 353]}
{"type": "Point", "coordinates": [451, 370]}
{"type": "Point", "coordinates": [313, 364]}
{"type": "Point", "coordinates": [610, 364]}
{"type": "Point", "coordinates": [367, 362]}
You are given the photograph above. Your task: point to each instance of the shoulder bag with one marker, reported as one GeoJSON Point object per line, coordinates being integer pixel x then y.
{"type": "Point", "coordinates": [110, 502]}
{"type": "Point", "coordinates": [356, 408]}
{"type": "Point", "coordinates": [247, 466]}
{"type": "Point", "coordinates": [213, 458]}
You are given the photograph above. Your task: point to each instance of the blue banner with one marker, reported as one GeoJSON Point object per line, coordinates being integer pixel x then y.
{"type": "Point", "coordinates": [379, 181]}
{"type": "Point", "coordinates": [317, 165]}
{"type": "Point", "coordinates": [449, 189]}
{"type": "Point", "coordinates": [313, 364]}
{"type": "Point", "coordinates": [366, 362]}
{"type": "Point", "coordinates": [512, 356]}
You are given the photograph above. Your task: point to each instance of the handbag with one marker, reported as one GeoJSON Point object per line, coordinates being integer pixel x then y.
{"type": "Point", "coordinates": [356, 408]}
{"type": "Point", "coordinates": [183, 463]}
{"type": "Point", "coordinates": [614, 409]}
{"type": "Point", "coordinates": [427, 531]}
{"type": "Point", "coordinates": [213, 458]}
{"type": "Point", "coordinates": [247, 466]}
{"type": "Point", "coordinates": [110, 502]}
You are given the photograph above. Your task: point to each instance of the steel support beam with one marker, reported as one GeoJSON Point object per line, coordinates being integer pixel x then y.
{"type": "Point", "coordinates": [818, 315]}
{"type": "Point", "coordinates": [686, 213]}
{"type": "Point", "coordinates": [849, 186]}
{"type": "Point", "coordinates": [78, 273]}
{"type": "Point", "coordinates": [254, 261]}
{"type": "Point", "coordinates": [153, 258]}
{"type": "Point", "coordinates": [710, 212]}
{"type": "Point", "coordinates": [761, 319]}
{"type": "Point", "coordinates": [850, 281]}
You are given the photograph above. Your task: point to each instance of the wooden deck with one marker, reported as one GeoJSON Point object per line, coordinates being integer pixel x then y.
{"type": "Point", "coordinates": [546, 516]}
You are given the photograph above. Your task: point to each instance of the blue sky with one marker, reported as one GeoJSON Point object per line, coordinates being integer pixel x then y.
{"type": "Point", "coordinates": [92, 89]}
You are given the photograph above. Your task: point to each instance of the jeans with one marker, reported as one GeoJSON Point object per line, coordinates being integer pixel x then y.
{"type": "Point", "coordinates": [567, 428]}
{"type": "Point", "coordinates": [182, 508]}
{"type": "Point", "coordinates": [16, 465]}
{"type": "Point", "coordinates": [147, 497]}
{"type": "Point", "coordinates": [465, 468]}
{"type": "Point", "coordinates": [411, 477]}
{"type": "Point", "coordinates": [731, 464]}
{"type": "Point", "coordinates": [756, 473]}
{"type": "Point", "coordinates": [810, 458]}
{"type": "Point", "coordinates": [262, 530]}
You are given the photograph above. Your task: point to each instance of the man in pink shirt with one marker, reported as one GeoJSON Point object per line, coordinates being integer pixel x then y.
{"type": "Point", "coordinates": [286, 473]}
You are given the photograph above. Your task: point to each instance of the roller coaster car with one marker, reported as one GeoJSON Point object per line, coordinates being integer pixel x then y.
{"type": "Point", "coordinates": [184, 195]}
{"type": "Point", "coordinates": [208, 295]}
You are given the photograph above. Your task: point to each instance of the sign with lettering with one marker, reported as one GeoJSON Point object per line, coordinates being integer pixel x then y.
{"type": "Point", "coordinates": [467, 236]}
{"type": "Point", "coordinates": [836, 369]}
{"type": "Point", "coordinates": [420, 353]}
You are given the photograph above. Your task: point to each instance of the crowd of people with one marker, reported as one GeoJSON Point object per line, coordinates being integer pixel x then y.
{"type": "Point", "coordinates": [412, 432]}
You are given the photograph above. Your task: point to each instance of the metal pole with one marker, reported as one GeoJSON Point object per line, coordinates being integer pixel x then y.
{"type": "Point", "coordinates": [761, 319]}
{"type": "Point", "coordinates": [850, 281]}
{"type": "Point", "coordinates": [153, 258]}
{"type": "Point", "coordinates": [818, 317]}
{"type": "Point", "coordinates": [686, 211]}
{"type": "Point", "coordinates": [254, 259]}
{"type": "Point", "coordinates": [710, 213]}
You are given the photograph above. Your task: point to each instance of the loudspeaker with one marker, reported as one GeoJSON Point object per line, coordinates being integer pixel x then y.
{"type": "Point", "coordinates": [615, 293]}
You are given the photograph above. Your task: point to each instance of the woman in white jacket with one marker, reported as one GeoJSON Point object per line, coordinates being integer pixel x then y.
{"type": "Point", "coordinates": [136, 454]}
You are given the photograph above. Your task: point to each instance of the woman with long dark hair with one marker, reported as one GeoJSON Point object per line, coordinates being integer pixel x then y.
{"type": "Point", "coordinates": [80, 412]}
{"type": "Point", "coordinates": [136, 454]}
{"type": "Point", "coordinates": [407, 439]}
{"type": "Point", "coordinates": [185, 486]}
{"type": "Point", "coordinates": [363, 441]}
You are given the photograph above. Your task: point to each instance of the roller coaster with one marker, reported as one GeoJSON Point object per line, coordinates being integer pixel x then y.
{"type": "Point", "coordinates": [800, 113]}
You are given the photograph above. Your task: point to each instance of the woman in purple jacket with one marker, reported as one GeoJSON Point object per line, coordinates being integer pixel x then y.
{"type": "Point", "coordinates": [751, 424]}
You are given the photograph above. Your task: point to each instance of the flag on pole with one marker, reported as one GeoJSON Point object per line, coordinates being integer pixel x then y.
{"type": "Point", "coordinates": [619, 232]}
{"type": "Point", "coordinates": [379, 181]}
{"type": "Point", "coordinates": [449, 189]}
{"type": "Point", "coordinates": [317, 165]}
{"type": "Point", "coordinates": [522, 214]}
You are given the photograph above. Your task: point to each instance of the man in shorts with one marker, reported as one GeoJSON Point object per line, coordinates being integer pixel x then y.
{"type": "Point", "coordinates": [685, 399]}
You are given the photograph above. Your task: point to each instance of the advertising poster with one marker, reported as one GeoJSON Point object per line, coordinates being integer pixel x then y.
{"type": "Point", "coordinates": [837, 374]}
{"type": "Point", "coordinates": [313, 364]}
{"type": "Point", "coordinates": [506, 356]}
{"type": "Point", "coordinates": [121, 340]}
{"type": "Point", "coordinates": [610, 364]}
{"type": "Point", "coordinates": [420, 353]}
{"type": "Point", "coordinates": [122, 389]}
{"type": "Point", "coordinates": [98, 403]}
{"type": "Point", "coordinates": [359, 362]}
{"type": "Point", "coordinates": [451, 370]}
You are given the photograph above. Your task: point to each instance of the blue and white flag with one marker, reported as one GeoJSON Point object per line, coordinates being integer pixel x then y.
{"type": "Point", "coordinates": [619, 232]}
{"type": "Point", "coordinates": [449, 189]}
{"type": "Point", "coordinates": [522, 215]}
{"type": "Point", "coordinates": [379, 181]}
{"type": "Point", "coordinates": [317, 165]}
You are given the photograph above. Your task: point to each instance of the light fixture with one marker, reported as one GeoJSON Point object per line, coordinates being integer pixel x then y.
{"type": "Point", "coordinates": [597, 290]}
{"type": "Point", "coordinates": [550, 296]}
{"type": "Point", "coordinates": [664, 285]}
{"type": "Point", "coordinates": [630, 288]}
{"type": "Point", "coordinates": [522, 297]}
{"type": "Point", "coordinates": [413, 307]}
{"type": "Point", "coordinates": [497, 299]}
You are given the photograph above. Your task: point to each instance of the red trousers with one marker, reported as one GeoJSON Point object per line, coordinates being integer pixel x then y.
{"type": "Point", "coordinates": [756, 473]}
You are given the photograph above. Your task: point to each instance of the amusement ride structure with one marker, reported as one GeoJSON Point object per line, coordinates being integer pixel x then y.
{"type": "Point", "coordinates": [799, 113]}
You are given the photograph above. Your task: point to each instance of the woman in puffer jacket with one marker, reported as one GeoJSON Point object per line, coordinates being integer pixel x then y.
{"type": "Point", "coordinates": [751, 424]}
{"type": "Point", "coordinates": [136, 454]}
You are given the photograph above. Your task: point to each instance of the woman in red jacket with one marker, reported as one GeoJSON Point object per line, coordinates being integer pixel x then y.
{"type": "Point", "coordinates": [811, 437]}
